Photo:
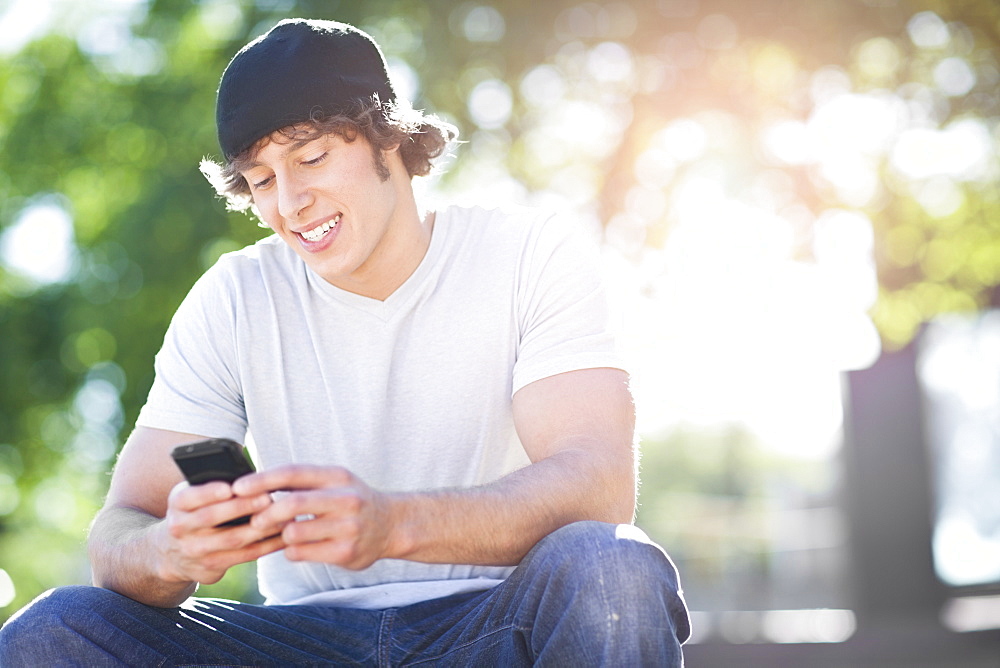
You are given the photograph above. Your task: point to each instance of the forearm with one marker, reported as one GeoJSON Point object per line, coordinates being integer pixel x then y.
{"type": "Point", "coordinates": [497, 524]}
{"type": "Point", "coordinates": [124, 558]}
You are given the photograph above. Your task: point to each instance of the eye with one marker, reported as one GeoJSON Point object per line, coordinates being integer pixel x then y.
{"type": "Point", "coordinates": [317, 160]}
{"type": "Point", "coordinates": [261, 184]}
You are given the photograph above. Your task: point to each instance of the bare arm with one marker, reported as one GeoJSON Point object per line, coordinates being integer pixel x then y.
{"type": "Point", "coordinates": [578, 430]}
{"type": "Point", "coordinates": [155, 538]}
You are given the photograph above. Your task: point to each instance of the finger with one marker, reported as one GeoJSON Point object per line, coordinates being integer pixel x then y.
{"type": "Point", "coordinates": [321, 529]}
{"type": "Point", "coordinates": [216, 564]}
{"type": "Point", "coordinates": [210, 517]}
{"type": "Point", "coordinates": [292, 477]}
{"type": "Point", "coordinates": [215, 549]}
{"type": "Point", "coordinates": [206, 555]}
{"type": "Point", "coordinates": [341, 553]}
{"type": "Point", "coordinates": [240, 538]}
{"type": "Point", "coordinates": [264, 547]}
{"type": "Point", "coordinates": [326, 503]}
{"type": "Point", "coordinates": [213, 565]}
{"type": "Point", "coordinates": [189, 498]}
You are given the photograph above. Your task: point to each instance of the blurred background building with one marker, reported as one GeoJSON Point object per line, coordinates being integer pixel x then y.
{"type": "Point", "coordinates": [799, 212]}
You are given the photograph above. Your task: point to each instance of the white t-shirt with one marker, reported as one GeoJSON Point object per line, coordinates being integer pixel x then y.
{"type": "Point", "coordinates": [411, 393]}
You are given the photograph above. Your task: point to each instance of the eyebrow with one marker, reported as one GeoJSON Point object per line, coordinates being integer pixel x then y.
{"type": "Point", "coordinates": [289, 148]}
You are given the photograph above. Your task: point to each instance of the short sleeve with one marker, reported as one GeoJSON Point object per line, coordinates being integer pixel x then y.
{"type": "Point", "coordinates": [562, 306]}
{"type": "Point", "coordinates": [196, 388]}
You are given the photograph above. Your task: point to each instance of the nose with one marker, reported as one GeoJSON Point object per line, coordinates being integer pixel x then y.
{"type": "Point", "coordinates": [294, 197]}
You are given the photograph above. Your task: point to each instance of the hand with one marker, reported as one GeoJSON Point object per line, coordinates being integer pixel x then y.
{"type": "Point", "coordinates": [342, 520]}
{"type": "Point", "coordinates": [193, 548]}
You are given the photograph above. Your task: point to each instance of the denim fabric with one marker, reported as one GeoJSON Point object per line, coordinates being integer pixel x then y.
{"type": "Point", "coordinates": [589, 594]}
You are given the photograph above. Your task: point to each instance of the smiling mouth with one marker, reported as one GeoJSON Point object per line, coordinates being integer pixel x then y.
{"type": "Point", "coordinates": [320, 231]}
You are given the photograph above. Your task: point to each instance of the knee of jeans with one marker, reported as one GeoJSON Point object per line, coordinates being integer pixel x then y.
{"type": "Point", "coordinates": [53, 625]}
{"type": "Point", "coordinates": [598, 545]}
{"type": "Point", "coordinates": [54, 608]}
{"type": "Point", "coordinates": [632, 572]}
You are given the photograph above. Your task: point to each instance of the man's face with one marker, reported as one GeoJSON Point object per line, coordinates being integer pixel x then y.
{"type": "Point", "coordinates": [325, 199]}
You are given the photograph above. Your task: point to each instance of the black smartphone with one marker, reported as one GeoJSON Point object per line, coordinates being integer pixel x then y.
{"type": "Point", "coordinates": [214, 459]}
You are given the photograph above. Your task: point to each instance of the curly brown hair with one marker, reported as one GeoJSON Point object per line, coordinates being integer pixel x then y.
{"type": "Point", "coordinates": [420, 137]}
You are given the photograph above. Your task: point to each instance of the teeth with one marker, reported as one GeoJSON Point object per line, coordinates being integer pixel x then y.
{"type": "Point", "coordinates": [318, 233]}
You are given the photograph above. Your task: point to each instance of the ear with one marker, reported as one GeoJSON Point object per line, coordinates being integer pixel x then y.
{"type": "Point", "coordinates": [392, 155]}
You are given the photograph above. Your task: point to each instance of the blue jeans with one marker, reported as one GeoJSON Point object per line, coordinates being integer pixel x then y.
{"type": "Point", "coordinates": [589, 594]}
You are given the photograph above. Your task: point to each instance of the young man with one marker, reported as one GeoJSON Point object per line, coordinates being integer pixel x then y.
{"type": "Point", "coordinates": [443, 432]}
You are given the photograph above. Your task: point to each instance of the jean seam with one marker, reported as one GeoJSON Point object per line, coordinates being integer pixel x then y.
{"type": "Point", "coordinates": [456, 648]}
{"type": "Point", "coordinates": [384, 640]}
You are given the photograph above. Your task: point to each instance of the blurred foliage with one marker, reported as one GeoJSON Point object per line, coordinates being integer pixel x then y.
{"type": "Point", "coordinates": [610, 107]}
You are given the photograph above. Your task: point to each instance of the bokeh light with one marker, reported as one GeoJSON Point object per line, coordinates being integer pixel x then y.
{"type": "Point", "coordinates": [39, 245]}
